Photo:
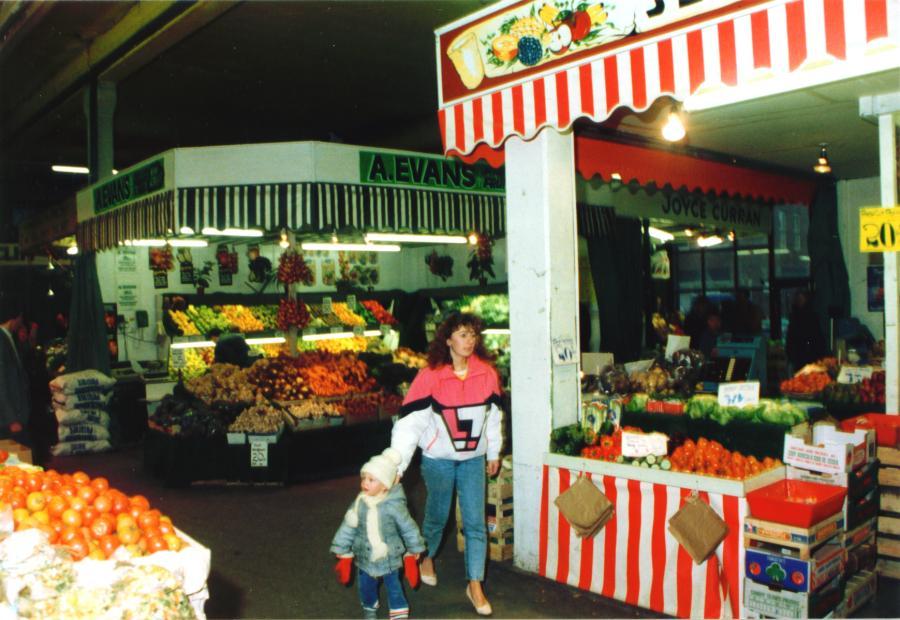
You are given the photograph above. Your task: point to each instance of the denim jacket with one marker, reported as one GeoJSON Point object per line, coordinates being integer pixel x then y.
{"type": "Point", "coordinates": [398, 530]}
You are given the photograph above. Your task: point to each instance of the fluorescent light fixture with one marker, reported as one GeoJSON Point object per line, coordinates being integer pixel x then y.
{"type": "Point", "coordinates": [72, 250]}
{"type": "Point", "coordinates": [350, 247]}
{"type": "Point", "coordinates": [673, 131]}
{"type": "Point", "coordinates": [369, 333]}
{"type": "Point", "coordinates": [271, 340]}
{"type": "Point", "coordinates": [708, 242]}
{"type": "Point", "coordinates": [414, 238]}
{"type": "Point", "coordinates": [232, 232]}
{"type": "Point", "coordinates": [662, 235]}
{"type": "Point", "coordinates": [147, 243]}
{"type": "Point", "coordinates": [50, 293]}
{"type": "Point", "coordinates": [70, 169]}
{"type": "Point", "coordinates": [496, 330]}
{"type": "Point", "coordinates": [186, 230]}
{"type": "Point", "coordinates": [197, 344]}
{"type": "Point", "coordinates": [188, 243]}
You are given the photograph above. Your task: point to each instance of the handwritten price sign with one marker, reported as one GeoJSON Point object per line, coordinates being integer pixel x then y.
{"type": "Point", "coordinates": [854, 374]}
{"type": "Point", "coordinates": [564, 351]}
{"type": "Point", "coordinates": [879, 229]}
{"type": "Point", "coordinates": [743, 394]}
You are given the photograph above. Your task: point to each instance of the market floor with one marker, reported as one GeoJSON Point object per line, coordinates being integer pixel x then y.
{"type": "Point", "coordinates": [270, 552]}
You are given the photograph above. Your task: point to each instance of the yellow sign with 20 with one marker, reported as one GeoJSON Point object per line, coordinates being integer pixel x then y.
{"type": "Point", "coordinates": [879, 229]}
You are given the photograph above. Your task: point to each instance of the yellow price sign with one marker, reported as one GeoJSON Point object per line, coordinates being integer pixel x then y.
{"type": "Point", "coordinates": [879, 229]}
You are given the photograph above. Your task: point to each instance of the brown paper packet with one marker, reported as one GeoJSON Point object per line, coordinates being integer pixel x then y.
{"type": "Point", "coordinates": [698, 529]}
{"type": "Point", "coordinates": [584, 506]}
{"type": "Point", "coordinates": [590, 532]}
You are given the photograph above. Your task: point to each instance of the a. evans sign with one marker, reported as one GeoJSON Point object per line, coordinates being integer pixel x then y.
{"type": "Point", "coordinates": [127, 187]}
{"type": "Point", "coordinates": [377, 168]}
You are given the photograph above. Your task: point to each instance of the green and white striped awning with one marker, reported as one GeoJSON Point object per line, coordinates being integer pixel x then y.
{"type": "Point", "coordinates": [301, 207]}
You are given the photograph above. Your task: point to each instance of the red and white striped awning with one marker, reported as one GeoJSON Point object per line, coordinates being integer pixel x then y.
{"type": "Point", "coordinates": [757, 49]}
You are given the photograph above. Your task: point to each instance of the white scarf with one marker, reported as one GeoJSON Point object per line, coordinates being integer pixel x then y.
{"type": "Point", "coordinates": [373, 528]}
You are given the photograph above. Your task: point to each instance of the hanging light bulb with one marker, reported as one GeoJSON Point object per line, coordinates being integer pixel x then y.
{"type": "Point", "coordinates": [50, 293]}
{"type": "Point", "coordinates": [673, 130]}
{"type": "Point", "coordinates": [284, 241]}
{"type": "Point", "coordinates": [822, 166]}
{"type": "Point", "coordinates": [473, 238]}
{"type": "Point", "coordinates": [72, 250]}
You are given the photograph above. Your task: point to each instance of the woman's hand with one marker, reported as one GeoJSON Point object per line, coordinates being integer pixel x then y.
{"type": "Point", "coordinates": [493, 467]}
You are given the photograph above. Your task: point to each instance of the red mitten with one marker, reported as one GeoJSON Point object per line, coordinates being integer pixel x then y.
{"type": "Point", "coordinates": [411, 570]}
{"type": "Point", "coordinates": [342, 569]}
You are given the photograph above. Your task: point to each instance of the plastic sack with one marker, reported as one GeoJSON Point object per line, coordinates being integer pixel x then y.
{"type": "Point", "coordinates": [81, 416]}
{"type": "Point", "coordinates": [82, 432]}
{"type": "Point", "coordinates": [85, 380]}
{"type": "Point", "coordinates": [92, 399]}
{"type": "Point", "coordinates": [80, 447]}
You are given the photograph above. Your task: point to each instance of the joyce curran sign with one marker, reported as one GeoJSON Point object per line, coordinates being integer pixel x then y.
{"type": "Point", "coordinates": [127, 187]}
{"type": "Point", "coordinates": [714, 212]}
{"type": "Point", "coordinates": [428, 172]}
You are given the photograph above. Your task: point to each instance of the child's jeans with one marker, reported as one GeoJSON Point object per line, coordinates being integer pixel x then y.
{"type": "Point", "coordinates": [368, 595]}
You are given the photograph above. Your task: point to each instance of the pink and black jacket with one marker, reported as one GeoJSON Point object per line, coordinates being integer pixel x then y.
{"type": "Point", "coordinates": [449, 417]}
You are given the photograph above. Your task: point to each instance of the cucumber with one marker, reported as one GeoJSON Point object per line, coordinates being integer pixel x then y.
{"type": "Point", "coordinates": [620, 459]}
{"type": "Point", "coordinates": [665, 464]}
{"type": "Point", "coordinates": [644, 464]}
{"type": "Point", "coordinates": [650, 459]}
{"type": "Point", "coordinates": [654, 466]}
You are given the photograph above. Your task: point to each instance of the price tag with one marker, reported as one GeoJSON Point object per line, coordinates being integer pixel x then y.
{"type": "Point", "coordinates": [639, 366]}
{"type": "Point", "coordinates": [351, 302]}
{"type": "Point", "coordinates": [741, 394]}
{"type": "Point", "coordinates": [676, 343]}
{"type": "Point", "coordinates": [638, 445]}
{"type": "Point", "coordinates": [259, 454]}
{"type": "Point", "coordinates": [358, 330]}
{"type": "Point", "coordinates": [564, 351]}
{"type": "Point", "coordinates": [326, 305]}
{"type": "Point", "coordinates": [177, 358]}
{"type": "Point", "coordinates": [854, 374]}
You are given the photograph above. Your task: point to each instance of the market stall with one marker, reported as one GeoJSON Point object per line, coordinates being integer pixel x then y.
{"type": "Point", "coordinates": [517, 76]}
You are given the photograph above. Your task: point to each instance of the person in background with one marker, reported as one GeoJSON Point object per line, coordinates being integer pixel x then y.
{"type": "Point", "coordinates": [452, 412]}
{"type": "Point", "coordinates": [231, 348]}
{"type": "Point", "coordinates": [15, 403]}
{"type": "Point", "coordinates": [745, 317]}
{"type": "Point", "coordinates": [695, 321]}
{"type": "Point", "coordinates": [805, 341]}
{"type": "Point", "coordinates": [42, 426]}
{"type": "Point", "coordinates": [708, 339]}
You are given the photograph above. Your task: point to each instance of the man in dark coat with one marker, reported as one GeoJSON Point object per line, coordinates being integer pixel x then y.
{"type": "Point", "coordinates": [15, 405]}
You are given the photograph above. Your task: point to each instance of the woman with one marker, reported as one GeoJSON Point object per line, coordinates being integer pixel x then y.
{"type": "Point", "coordinates": [452, 411]}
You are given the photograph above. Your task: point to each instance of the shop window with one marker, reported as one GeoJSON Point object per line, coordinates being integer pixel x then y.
{"type": "Point", "coordinates": [689, 274]}
{"type": "Point", "coordinates": [720, 267]}
{"type": "Point", "coordinates": [791, 227]}
{"type": "Point", "coordinates": [753, 261]}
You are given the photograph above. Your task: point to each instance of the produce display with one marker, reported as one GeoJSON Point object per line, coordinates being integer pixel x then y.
{"type": "Point", "coordinates": [196, 362]}
{"type": "Point", "coordinates": [292, 313]}
{"type": "Point", "coordinates": [205, 319]}
{"type": "Point", "coordinates": [277, 379]}
{"type": "Point", "coordinates": [346, 315]}
{"type": "Point", "coordinates": [260, 418]}
{"type": "Point", "coordinates": [356, 344]}
{"type": "Point", "coordinates": [781, 412]}
{"type": "Point", "coordinates": [381, 315]}
{"type": "Point", "coordinates": [871, 390]}
{"type": "Point", "coordinates": [184, 323]}
{"type": "Point", "coordinates": [710, 458]}
{"type": "Point", "coordinates": [410, 358]}
{"type": "Point", "coordinates": [242, 318]}
{"type": "Point", "coordinates": [223, 382]}
{"type": "Point", "coordinates": [492, 309]}
{"type": "Point", "coordinates": [313, 409]}
{"type": "Point", "coordinates": [84, 517]}
{"type": "Point", "coordinates": [292, 269]}
{"type": "Point", "coordinates": [806, 384]}
{"type": "Point", "coordinates": [185, 416]}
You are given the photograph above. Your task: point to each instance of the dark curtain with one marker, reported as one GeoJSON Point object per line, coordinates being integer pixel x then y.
{"type": "Point", "coordinates": [87, 331]}
{"type": "Point", "coordinates": [616, 261]}
{"type": "Point", "coordinates": [827, 270]}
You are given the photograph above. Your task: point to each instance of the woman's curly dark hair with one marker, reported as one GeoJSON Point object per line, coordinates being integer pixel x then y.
{"type": "Point", "coordinates": [439, 352]}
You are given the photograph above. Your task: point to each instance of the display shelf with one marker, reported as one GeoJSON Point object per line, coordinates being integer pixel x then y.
{"type": "Point", "coordinates": [710, 484]}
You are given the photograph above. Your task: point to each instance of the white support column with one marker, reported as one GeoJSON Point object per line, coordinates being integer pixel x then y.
{"type": "Point", "coordinates": [542, 257]}
{"type": "Point", "coordinates": [106, 111]}
{"type": "Point", "coordinates": [887, 142]}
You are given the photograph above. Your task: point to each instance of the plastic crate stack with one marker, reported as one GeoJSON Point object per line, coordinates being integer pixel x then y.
{"type": "Point", "coordinates": [887, 436]}
{"type": "Point", "coordinates": [499, 511]}
{"type": "Point", "coordinates": [81, 406]}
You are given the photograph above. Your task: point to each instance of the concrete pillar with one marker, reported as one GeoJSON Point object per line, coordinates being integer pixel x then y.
{"type": "Point", "coordinates": [887, 141]}
{"type": "Point", "coordinates": [100, 109]}
{"type": "Point", "coordinates": [542, 267]}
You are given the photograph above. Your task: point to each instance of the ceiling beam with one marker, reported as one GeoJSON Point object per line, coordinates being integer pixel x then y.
{"type": "Point", "coordinates": [131, 43]}
{"type": "Point", "coordinates": [16, 21]}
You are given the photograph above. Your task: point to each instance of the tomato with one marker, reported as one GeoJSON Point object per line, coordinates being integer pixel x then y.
{"type": "Point", "coordinates": [41, 516]}
{"type": "Point", "coordinates": [119, 501]}
{"type": "Point", "coordinates": [134, 511]}
{"type": "Point", "coordinates": [3, 456]}
{"type": "Point", "coordinates": [156, 543]}
{"type": "Point", "coordinates": [87, 493]}
{"type": "Point", "coordinates": [141, 502]}
{"type": "Point", "coordinates": [102, 526]}
{"type": "Point", "coordinates": [68, 490]}
{"type": "Point", "coordinates": [57, 505]}
{"type": "Point", "coordinates": [52, 534]}
{"type": "Point", "coordinates": [89, 514]}
{"type": "Point", "coordinates": [78, 548]}
{"type": "Point", "coordinates": [71, 517]}
{"type": "Point", "coordinates": [76, 503]}
{"type": "Point", "coordinates": [81, 478]}
{"type": "Point", "coordinates": [34, 481]}
{"type": "Point", "coordinates": [103, 504]}
{"type": "Point", "coordinates": [149, 519]}
{"type": "Point", "coordinates": [109, 543]}
{"type": "Point", "coordinates": [173, 542]}
{"type": "Point", "coordinates": [35, 501]}
{"type": "Point", "coordinates": [100, 484]}
{"type": "Point", "coordinates": [166, 527]}
{"type": "Point", "coordinates": [68, 533]}
{"type": "Point", "coordinates": [127, 529]}
{"type": "Point", "coordinates": [97, 554]}
{"type": "Point", "coordinates": [20, 514]}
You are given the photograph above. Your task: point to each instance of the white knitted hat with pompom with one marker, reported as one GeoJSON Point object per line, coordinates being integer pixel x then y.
{"type": "Point", "coordinates": [383, 467]}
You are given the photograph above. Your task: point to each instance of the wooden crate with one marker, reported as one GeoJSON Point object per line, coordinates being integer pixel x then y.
{"type": "Point", "coordinates": [888, 524]}
{"type": "Point", "coordinates": [888, 456]}
{"type": "Point", "coordinates": [791, 540]}
{"type": "Point", "coordinates": [889, 476]}
{"type": "Point", "coordinates": [499, 549]}
{"type": "Point", "coordinates": [890, 500]}
{"type": "Point", "coordinates": [889, 568]}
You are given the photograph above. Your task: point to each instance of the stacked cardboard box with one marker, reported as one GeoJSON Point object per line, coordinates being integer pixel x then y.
{"type": "Point", "coordinates": [889, 512]}
{"type": "Point", "coordinates": [499, 511]}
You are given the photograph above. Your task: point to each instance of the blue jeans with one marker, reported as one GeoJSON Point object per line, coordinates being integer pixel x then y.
{"type": "Point", "coordinates": [368, 591]}
{"type": "Point", "coordinates": [469, 478]}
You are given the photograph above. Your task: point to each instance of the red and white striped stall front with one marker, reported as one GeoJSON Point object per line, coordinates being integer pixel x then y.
{"type": "Point", "coordinates": [634, 558]}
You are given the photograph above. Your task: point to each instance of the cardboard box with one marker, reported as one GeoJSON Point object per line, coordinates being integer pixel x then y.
{"type": "Point", "coordinates": [777, 603]}
{"type": "Point", "coordinates": [860, 510]}
{"type": "Point", "coordinates": [860, 589]}
{"type": "Point", "coordinates": [830, 450]}
{"type": "Point", "coordinates": [778, 536]}
{"type": "Point", "coordinates": [858, 482]}
{"type": "Point", "coordinates": [858, 535]}
{"type": "Point", "coordinates": [793, 573]}
{"type": "Point", "coordinates": [23, 453]}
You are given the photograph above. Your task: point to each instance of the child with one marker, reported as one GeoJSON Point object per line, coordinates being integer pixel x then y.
{"type": "Point", "coordinates": [374, 533]}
